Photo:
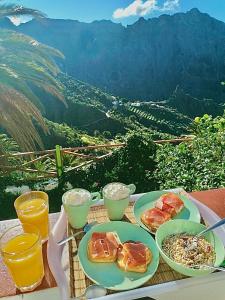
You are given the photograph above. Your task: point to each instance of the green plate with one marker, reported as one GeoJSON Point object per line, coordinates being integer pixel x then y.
{"type": "Point", "coordinates": [189, 212]}
{"type": "Point", "coordinates": [110, 275]}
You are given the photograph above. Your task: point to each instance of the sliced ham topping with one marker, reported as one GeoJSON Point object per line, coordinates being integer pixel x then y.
{"type": "Point", "coordinates": [156, 217]}
{"type": "Point", "coordinates": [103, 244]}
{"type": "Point", "coordinates": [98, 235]}
{"type": "Point", "coordinates": [173, 201]}
{"type": "Point", "coordinates": [165, 207]}
{"type": "Point", "coordinates": [132, 253]}
{"type": "Point", "coordinates": [136, 252]}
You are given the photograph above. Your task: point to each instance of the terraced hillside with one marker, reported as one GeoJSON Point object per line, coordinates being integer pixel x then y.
{"type": "Point", "coordinates": [96, 112]}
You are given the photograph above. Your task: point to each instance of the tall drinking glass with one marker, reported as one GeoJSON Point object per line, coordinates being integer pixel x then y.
{"type": "Point", "coordinates": [22, 253]}
{"type": "Point", "coordinates": [32, 208]}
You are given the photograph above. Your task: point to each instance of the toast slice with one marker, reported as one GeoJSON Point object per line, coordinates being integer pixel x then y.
{"type": "Point", "coordinates": [103, 246]}
{"type": "Point", "coordinates": [170, 203]}
{"type": "Point", "coordinates": [154, 217]}
{"type": "Point", "coordinates": [134, 257]}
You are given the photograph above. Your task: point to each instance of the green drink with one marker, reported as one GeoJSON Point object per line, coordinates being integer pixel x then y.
{"type": "Point", "coordinates": [116, 199]}
{"type": "Point", "coordinates": [77, 203]}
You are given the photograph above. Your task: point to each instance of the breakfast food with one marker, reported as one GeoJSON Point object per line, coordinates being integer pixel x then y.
{"type": "Point", "coordinates": [170, 203]}
{"type": "Point", "coordinates": [103, 246]}
{"type": "Point", "coordinates": [116, 191]}
{"type": "Point", "coordinates": [131, 256]}
{"type": "Point", "coordinates": [188, 250]}
{"type": "Point", "coordinates": [134, 257]}
{"type": "Point", "coordinates": [166, 207]}
{"type": "Point", "coordinates": [154, 217]}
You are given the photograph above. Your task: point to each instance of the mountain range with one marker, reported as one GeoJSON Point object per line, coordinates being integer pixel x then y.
{"type": "Point", "coordinates": [143, 61]}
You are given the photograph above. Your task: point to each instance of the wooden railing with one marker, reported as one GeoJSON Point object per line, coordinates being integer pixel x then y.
{"type": "Point", "coordinates": [56, 156]}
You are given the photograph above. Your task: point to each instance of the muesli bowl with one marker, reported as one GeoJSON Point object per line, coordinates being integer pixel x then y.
{"type": "Point", "coordinates": [175, 228]}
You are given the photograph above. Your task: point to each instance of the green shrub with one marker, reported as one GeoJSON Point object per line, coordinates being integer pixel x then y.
{"type": "Point", "coordinates": [198, 165]}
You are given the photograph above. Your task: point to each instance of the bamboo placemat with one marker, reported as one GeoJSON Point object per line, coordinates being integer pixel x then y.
{"type": "Point", "coordinates": [79, 281]}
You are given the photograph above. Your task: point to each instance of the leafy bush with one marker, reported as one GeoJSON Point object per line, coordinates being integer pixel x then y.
{"type": "Point", "coordinates": [198, 165]}
{"type": "Point", "coordinates": [134, 163]}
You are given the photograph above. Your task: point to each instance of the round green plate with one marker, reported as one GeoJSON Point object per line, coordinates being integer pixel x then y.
{"type": "Point", "coordinates": [110, 275]}
{"type": "Point", "coordinates": [189, 212]}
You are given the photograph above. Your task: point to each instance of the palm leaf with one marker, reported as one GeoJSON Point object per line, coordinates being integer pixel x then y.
{"type": "Point", "coordinates": [24, 61]}
{"type": "Point", "coordinates": [16, 117]}
{"type": "Point", "coordinates": [24, 64]}
{"type": "Point", "coordinates": [7, 10]}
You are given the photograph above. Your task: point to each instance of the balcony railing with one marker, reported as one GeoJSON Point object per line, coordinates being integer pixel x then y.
{"type": "Point", "coordinates": [57, 155]}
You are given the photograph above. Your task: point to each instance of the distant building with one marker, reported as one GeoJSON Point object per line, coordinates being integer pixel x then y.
{"type": "Point", "coordinates": [137, 104]}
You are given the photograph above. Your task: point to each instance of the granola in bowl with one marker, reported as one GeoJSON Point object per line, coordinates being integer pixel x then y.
{"type": "Point", "coordinates": [188, 250]}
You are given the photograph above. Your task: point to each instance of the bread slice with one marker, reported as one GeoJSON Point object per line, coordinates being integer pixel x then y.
{"type": "Point", "coordinates": [173, 201]}
{"type": "Point", "coordinates": [154, 217]}
{"type": "Point", "coordinates": [160, 203]}
{"type": "Point", "coordinates": [103, 246]}
{"type": "Point", "coordinates": [153, 227]}
{"type": "Point", "coordinates": [134, 257]}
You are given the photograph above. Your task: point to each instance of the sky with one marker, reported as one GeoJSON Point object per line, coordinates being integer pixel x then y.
{"type": "Point", "coordinates": [120, 11]}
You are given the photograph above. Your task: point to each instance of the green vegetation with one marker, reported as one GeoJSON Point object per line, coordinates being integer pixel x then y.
{"type": "Point", "coordinates": [194, 165]}
{"type": "Point", "coordinates": [134, 163]}
{"type": "Point", "coordinates": [198, 165]}
{"type": "Point", "coordinates": [30, 84]}
{"type": "Point", "coordinates": [25, 65]}
{"type": "Point", "coordinates": [65, 136]}
{"type": "Point", "coordinates": [92, 110]}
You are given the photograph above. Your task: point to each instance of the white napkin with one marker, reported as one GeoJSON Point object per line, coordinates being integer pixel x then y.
{"type": "Point", "coordinates": [54, 254]}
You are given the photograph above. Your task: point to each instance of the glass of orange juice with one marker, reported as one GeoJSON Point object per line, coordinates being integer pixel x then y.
{"type": "Point", "coordinates": [22, 253]}
{"type": "Point", "coordinates": [32, 208]}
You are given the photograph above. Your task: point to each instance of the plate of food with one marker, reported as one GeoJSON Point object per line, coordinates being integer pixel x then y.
{"type": "Point", "coordinates": [118, 255]}
{"type": "Point", "coordinates": [155, 208]}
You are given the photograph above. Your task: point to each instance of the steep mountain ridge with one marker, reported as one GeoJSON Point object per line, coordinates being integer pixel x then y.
{"type": "Point", "coordinates": [145, 60]}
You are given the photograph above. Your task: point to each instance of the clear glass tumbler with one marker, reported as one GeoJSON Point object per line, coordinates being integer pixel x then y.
{"type": "Point", "coordinates": [32, 208]}
{"type": "Point", "coordinates": [22, 254]}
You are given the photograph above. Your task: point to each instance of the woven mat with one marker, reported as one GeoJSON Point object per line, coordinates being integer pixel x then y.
{"type": "Point", "coordinates": [78, 280]}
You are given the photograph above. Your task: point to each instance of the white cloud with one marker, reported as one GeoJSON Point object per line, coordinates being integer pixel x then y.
{"type": "Point", "coordinates": [136, 8]}
{"type": "Point", "coordinates": [170, 5]}
{"type": "Point", "coordinates": [142, 8]}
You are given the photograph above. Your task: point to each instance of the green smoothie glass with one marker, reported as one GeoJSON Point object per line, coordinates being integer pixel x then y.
{"type": "Point", "coordinates": [116, 199]}
{"type": "Point", "coordinates": [77, 203]}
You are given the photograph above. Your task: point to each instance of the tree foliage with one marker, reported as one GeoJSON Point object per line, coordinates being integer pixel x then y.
{"type": "Point", "coordinates": [198, 165]}
{"type": "Point", "coordinates": [134, 163]}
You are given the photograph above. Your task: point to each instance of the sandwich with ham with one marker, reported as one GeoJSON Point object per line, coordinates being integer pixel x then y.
{"type": "Point", "coordinates": [103, 247]}
{"type": "Point", "coordinates": [170, 203]}
{"type": "Point", "coordinates": [166, 207]}
{"type": "Point", "coordinates": [133, 257]}
{"type": "Point", "coordinates": [154, 217]}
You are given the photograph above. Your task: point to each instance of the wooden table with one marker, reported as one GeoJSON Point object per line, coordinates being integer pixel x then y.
{"type": "Point", "coordinates": [214, 199]}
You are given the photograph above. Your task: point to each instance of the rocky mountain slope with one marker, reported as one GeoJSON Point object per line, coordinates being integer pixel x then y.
{"type": "Point", "coordinates": [145, 60]}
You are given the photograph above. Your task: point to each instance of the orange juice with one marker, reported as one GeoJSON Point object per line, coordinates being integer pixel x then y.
{"type": "Point", "coordinates": [32, 208]}
{"type": "Point", "coordinates": [22, 254]}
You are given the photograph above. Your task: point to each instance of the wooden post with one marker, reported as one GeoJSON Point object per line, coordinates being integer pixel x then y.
{"type": "Point", "coordinates": [58, 161]}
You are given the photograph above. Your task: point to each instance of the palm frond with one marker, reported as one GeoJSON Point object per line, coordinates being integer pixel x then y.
{"type": "Point", "coordinates": [24, 61]}
{"type": "Point", "coordinates": [24, 64]}
{"type": "Point", "coordinates": [7, 10]}
{"type": "Point", "coordinates": [16, 117]}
